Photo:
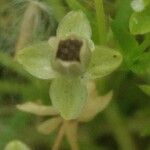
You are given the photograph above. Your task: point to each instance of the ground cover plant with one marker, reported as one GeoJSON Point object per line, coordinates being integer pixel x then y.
{"type": "Point", "coordinates": [74, 74]}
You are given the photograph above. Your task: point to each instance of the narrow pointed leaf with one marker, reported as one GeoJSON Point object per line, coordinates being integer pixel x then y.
{"type": "Point", "coordinates": [145, 89]}
{"type": "Point", "coordinates": [50, 125]}
{"type": "Point", "coordinates": [140, 22]}
{"type": "Point", "coordinates": [36, 60]}
{"type": "Point", "coordinates": [75, 22]}
{"type": "Point", "coordinates": [120, 27]}
{"type": "Point", "coordinates": [104, 61]}
{"type": "Point", "coordinates": [58, 8]}
{"type": "Point", "coordinates": [16, 145]}
{"type": "Point", "coordinates": [68, 96]}
{"type": "Point", "coordinates": [37, 109]}
{"type": "Point", "coordinates": [142, 64]}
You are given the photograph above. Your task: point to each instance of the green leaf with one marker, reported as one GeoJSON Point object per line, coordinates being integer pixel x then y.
{"type": "Point", "coordinates": [140, 122]}
{"type": "Point", "coordinates": [145, 89]}
{"type": "Point", "coordinates": [16, 145]}
{"type": "Point", "coordinates": [75, 5]}
{"type": "Point", "coordinates": [120, 28]}
{"type": "Point", "coordinates": [68, 96]}
{"type": "Point", "coordinates": [140, 22]}
{"type": "Point", "coordinates": [104, 61]}
{"type": "Point", "coordinates": [58, 8]}
{"type": "Point", "coordinates": [36, 60]}
{"type": "Point", "coordinates": [142, 64]}
{"type": "Point", "coordinates": [75, 22]}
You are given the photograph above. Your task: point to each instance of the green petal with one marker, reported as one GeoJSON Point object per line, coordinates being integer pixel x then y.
{"type": "Point", "coordinates": [75, 22]}
{"type": "Point", "coordinates": [16, 145]}
{"type": "Point", "coordinates": [68, 96]}
{"type": "Point", "coordinates": [145, 89]}
{"type": "Point", "coordinates": [36, 60]}
{"type": "Point", "coordinates": [104, 61]}
{"type": "Point", "coordinates": [140, 22]}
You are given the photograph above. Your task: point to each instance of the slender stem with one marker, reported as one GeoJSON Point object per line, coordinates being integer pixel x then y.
{"type": "Point", "coordinates": [71, 133]}
{"type": "Point", "coordinates": [117, 2]}
{"type": "Point", "coordinates": [28, 24]}
{"type": "Point", "coordinates": [101, 21]}
{"type": "Point", "coordinates": [145, 43]}
{"type": "Point", "coordinates": [117, 121]}
{"type": "Point", "coordinates": [8, 86]}
{"type": "Point", "coordinates": [59, 138]}
{"type": "Point", "coordinates": [119, 129]}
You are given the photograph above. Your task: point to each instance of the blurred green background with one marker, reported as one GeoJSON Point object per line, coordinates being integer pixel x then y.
{"type": "Point", "coordinates": [123, 125]}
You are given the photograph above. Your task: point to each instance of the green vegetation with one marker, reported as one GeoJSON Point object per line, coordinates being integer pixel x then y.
{"type": "Point", "coordinates": [114, 115]}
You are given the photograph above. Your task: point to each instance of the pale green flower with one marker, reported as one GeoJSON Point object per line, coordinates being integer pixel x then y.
{"type": "Point", "coordinates": [70, 59]}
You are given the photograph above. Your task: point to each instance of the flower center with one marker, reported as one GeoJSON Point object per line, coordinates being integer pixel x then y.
{"type": "Point", "coordinates": [69, 50]}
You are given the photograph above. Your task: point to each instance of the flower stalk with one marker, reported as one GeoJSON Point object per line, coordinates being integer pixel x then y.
{"type": "Point", "coordinates": [59, 138]}
{"type": "Point", "coordinates": [101, 22]}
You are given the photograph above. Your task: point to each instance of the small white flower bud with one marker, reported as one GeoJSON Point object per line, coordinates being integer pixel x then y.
{"type": "Point", "coordinates": [138, 5]}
